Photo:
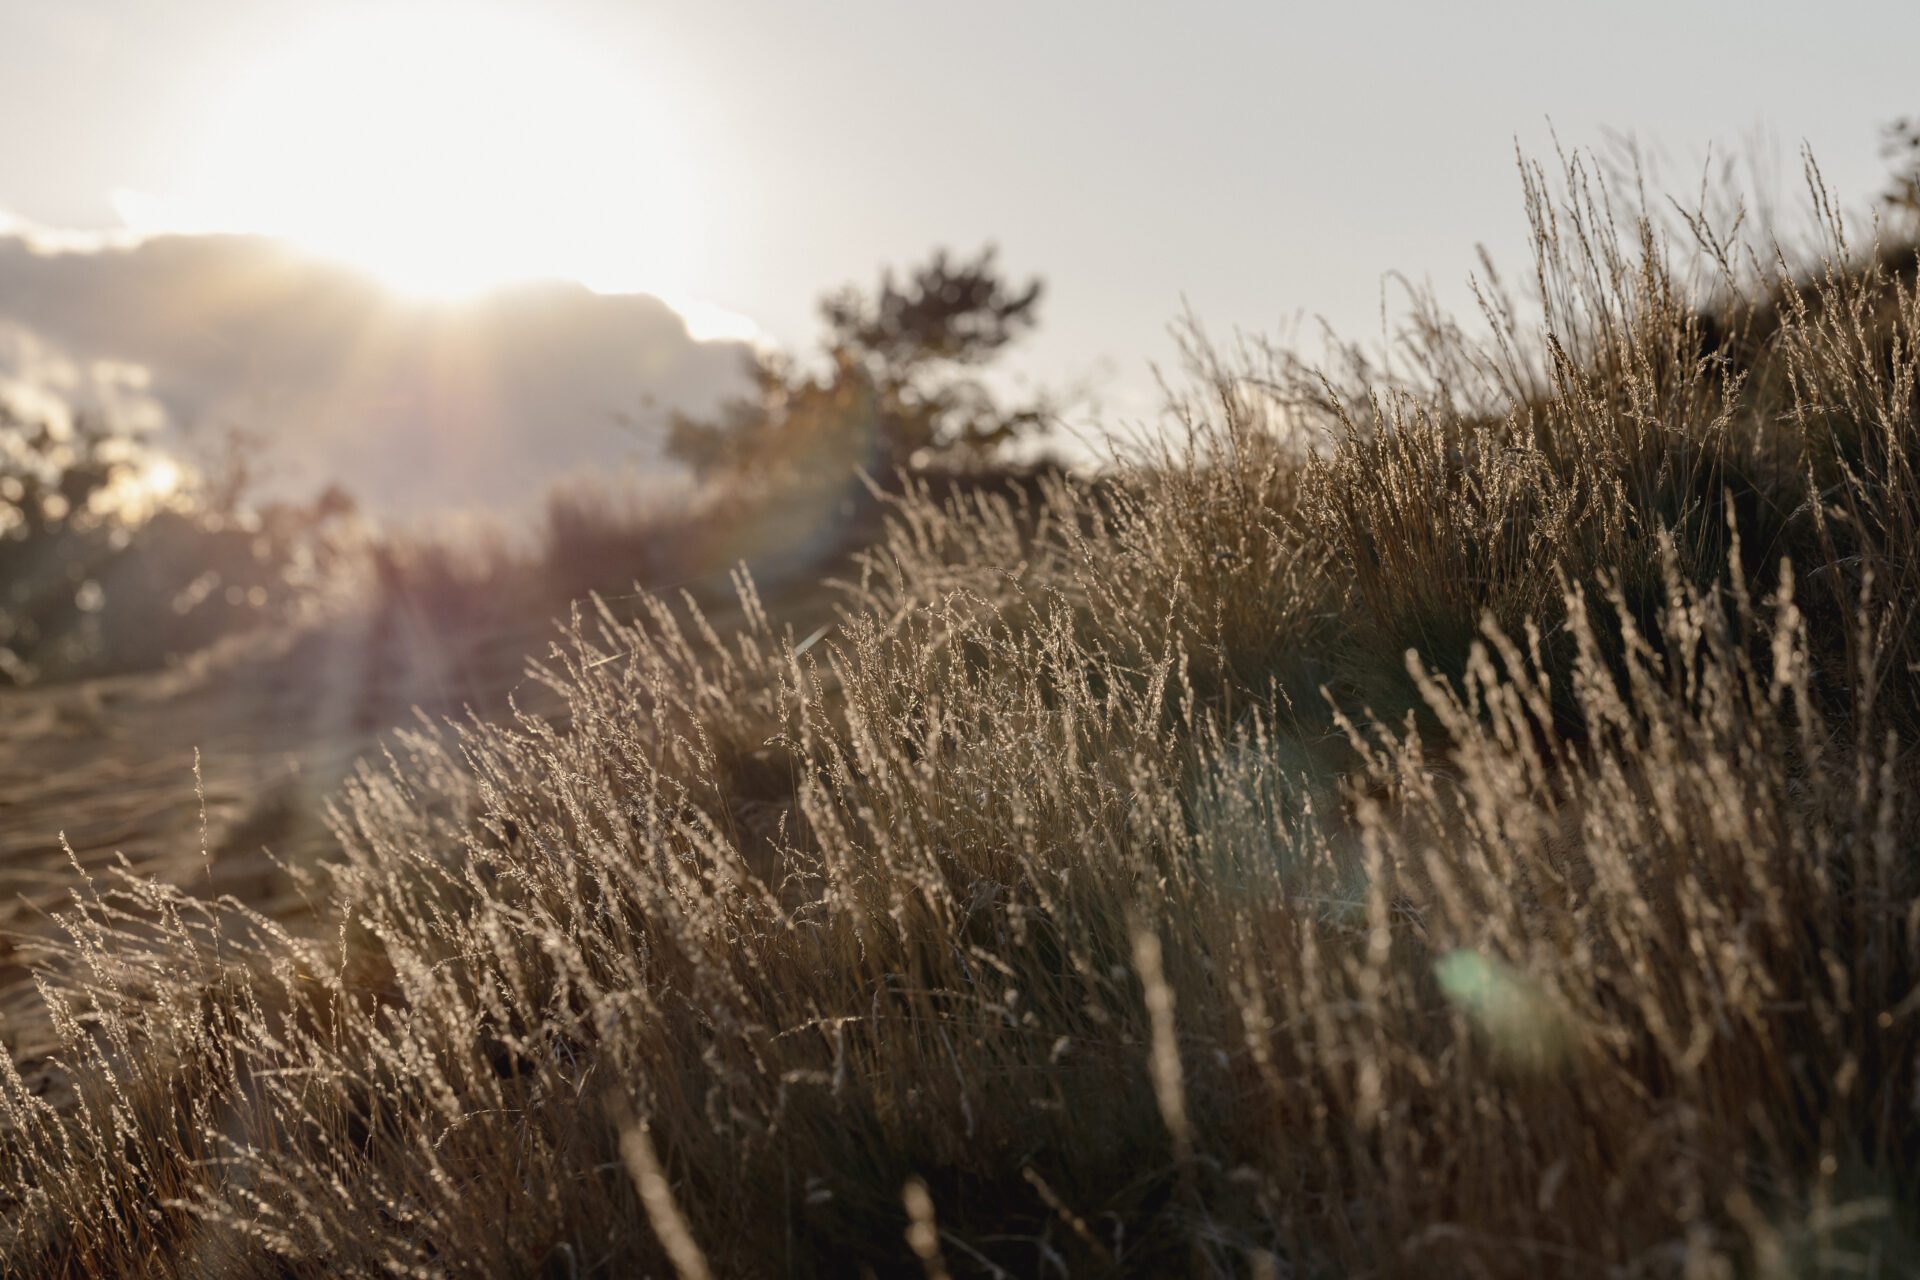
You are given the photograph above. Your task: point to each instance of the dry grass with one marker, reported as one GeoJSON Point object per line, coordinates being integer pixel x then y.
{"type": "Point", "coordinates": [1483, 845]}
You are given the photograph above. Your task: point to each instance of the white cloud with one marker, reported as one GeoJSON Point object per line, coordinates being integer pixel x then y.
{"type": "Point", "coordinates": [409, 404]}
{"type": "Point", "coordinates": [42, 384]}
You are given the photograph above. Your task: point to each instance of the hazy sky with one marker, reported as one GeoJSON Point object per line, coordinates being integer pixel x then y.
{"type": "Point", "coordinates": [1262, 161]}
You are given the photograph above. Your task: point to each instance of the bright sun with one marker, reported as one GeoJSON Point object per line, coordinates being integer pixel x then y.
{"type": "Point", "coordinates": [447, 150]}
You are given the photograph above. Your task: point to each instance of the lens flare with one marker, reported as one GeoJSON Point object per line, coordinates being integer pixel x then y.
{"type": "Point", "coordinates": [1523, 1024]}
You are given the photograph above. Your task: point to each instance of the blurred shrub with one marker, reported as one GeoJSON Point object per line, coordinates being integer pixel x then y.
{"type": "Point", "coordinates": [114, 557]}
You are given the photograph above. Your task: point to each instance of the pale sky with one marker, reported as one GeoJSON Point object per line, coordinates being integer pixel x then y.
{"type": "Point", "coordinates": [1260, 161]}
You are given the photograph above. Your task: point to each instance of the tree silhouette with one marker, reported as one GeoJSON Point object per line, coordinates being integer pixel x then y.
{"type": "Point", "coordinates": [1900, 144]}
{"type": "Point", "coordinates": [899, 383]}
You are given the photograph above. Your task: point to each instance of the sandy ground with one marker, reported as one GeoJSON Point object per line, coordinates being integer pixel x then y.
{"type": "Point", "coordinates": [93, 771]}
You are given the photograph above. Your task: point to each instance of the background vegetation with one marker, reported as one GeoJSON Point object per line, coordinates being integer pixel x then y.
{"type": "Point", "coordinates": [101, 571]}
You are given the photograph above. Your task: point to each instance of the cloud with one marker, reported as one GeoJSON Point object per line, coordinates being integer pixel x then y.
{"type": "Point", "coordinates": [411, 405]}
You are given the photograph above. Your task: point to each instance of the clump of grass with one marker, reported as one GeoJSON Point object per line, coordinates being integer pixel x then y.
{"type": "Point", "coordinates": [1480, 841]}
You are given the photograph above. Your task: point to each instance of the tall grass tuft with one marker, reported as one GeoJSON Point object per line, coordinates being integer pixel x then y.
{"type": "Point", "coordinates": [1453, 823]}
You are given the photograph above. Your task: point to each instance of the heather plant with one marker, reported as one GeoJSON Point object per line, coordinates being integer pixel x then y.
{"type": "Point", "coordinates": [1457, 825]}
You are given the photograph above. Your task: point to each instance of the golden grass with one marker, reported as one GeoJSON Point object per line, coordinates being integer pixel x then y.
{"type": "Point", "coordinates": [1481, 843]}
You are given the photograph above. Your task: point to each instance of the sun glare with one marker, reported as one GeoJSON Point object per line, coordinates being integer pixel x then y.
{"type": "Point", "coordinates": [447, 150]}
